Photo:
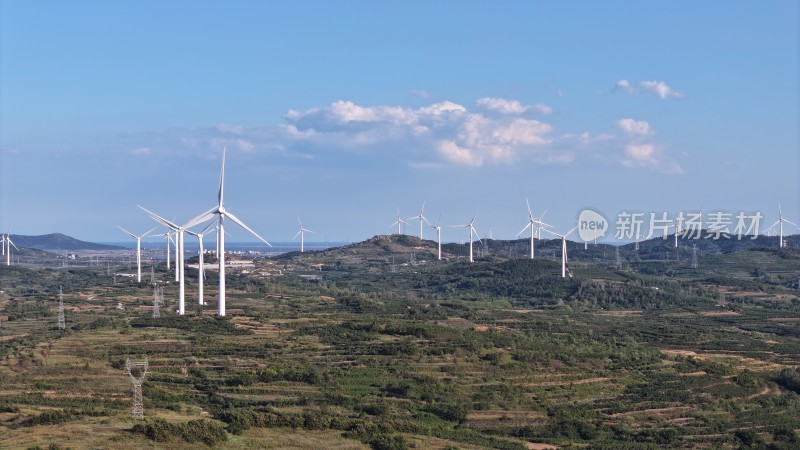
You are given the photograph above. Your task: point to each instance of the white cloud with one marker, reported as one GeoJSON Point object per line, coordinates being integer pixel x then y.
{"type": "Point", "coordinates": [541, 108]}
{"type": "Point", "coordinates": [459, 155]}
{"type": "Point", "coordinates": [141, 151]}
{"type": "Point", "coordinates": [503, 106]}
{"type": "Point", "coordinates": [650, 156]}
{"type": "Point", "coordinates": [447, 128]}
{"type": "Point", "coordinates": [435, 135]}
{"type": "Point", "coordinates": [634, 127]}
{"type": "Point", "coordinates": [624, 86]}
{"type": "Point", "coordinates": [660, 88]}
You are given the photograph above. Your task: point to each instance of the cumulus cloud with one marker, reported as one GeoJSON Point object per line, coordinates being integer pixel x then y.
{"type": "Point", "coordinates": [624, 86]}
{"type": "Point", "coordinates": [496, 132]}
{"type": "Point", "coordinates": [503, 106]}
{"type": "Point", "coordinates": [659, 88]}
{"type": "Point", "coordinates": [456, 134]}
{"type": "Point", "coordinates": [634, 127]}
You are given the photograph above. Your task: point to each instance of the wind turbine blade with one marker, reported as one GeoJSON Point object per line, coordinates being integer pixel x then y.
{"type": "Point", "coordinates": [158, 218]}
{"type": "Point", "coordinates": [208, 227]}
{"type": "Point", "coordinates": [543, 213]}
{"type": "Point", "coordinates": [308, 231]}
{"type": "Point", "coordinates": [570, 231]}
{"type": "Point", "coordinates": [530, 213]}
{"type": "Point", "coordinates": [522, 230]}
{"type": "Point", "coordinates": [459, 226]}
{"type": "Point", "coordinates": [553, 233]}
{"type": "Point", "coordinates": [204, 217]}
{"type": "Point", "coordinates": [222, 177]}
{"type": "Point", "coordinates": [12, 243]}
{"type": "Point", "coordinates": [298, 234]}
{"type": "Point", "coordinates": [790, 222]}
{"type": "Point", "coordinates": [776, 223]}
{"type": "Point", "coordinates": [241, 224]}
{"type": "Point", "coordinates": [146, 234]}
{"type": "Point", "coordinates": [126, 231]}
{"type": "Point", "coordinates": [473, 217]}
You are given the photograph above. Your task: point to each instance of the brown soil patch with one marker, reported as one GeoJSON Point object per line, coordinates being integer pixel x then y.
{"type": "Point", "coordinates": [535, 446]}
{"type": "Point", "coordinates": [568, 382]}
{"type": "Point", "coordinates": [718, 313]}
{"type": "Point", "coordinates": [618, 313]}
{"type": "Point", "coordinates": [654, 411]}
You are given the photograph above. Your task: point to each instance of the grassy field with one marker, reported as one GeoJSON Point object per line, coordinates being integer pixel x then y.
{"type": "Point", "coordinates": [502, 353]}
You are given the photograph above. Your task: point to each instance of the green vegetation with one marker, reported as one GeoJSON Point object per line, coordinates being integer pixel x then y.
{"type": "Point", "coordinates": [496, 354]}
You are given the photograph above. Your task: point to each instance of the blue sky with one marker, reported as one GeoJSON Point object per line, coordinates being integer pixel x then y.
{"type": "Point", "coordinates": [342, 112]}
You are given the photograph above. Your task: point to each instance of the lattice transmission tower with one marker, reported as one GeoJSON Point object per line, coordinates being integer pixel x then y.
{"type": "Point", "coordinates": [157, 294]}
{"type": "Point", "coordinates": [137, 371]}
{"type": "Point", "coordinates": [62, 324]}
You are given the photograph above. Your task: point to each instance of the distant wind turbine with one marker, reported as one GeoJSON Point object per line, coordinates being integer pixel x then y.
{"type": "Point", "coordinates": [8, 244]}
{"type": "Point", "coordinates": [563, 251]}
{"type": "Point", "coordinates": [399, 222]}
{"type": "Point", "coordinates": [221, 213]}
{"type": "Point", "coordinates": [302, 232]}
{"type": "Point", "coordinates": [201, 271]}
{"type": "Point", "coordinates": [472, 230]}
{"type": "Point", "coordinates": [138, 250]}
{"type": "Point", "coordinates": [438, 229]}
{"type": "Point", "coordinates": [421, 218]}
{"type": "Point", "coordinates": [532, 222]}
{"type": "Point", "coordinates": [779, 223]}
{"type": "Point", "coordinates": [179, 256]}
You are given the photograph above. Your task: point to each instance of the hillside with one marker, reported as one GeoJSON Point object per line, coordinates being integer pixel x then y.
{"type": "Point", "coordinates": [58, 241]}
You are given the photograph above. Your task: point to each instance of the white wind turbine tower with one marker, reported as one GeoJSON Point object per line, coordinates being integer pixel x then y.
{"type": "Point", "coordinates": [563, 250]}
{"type": "Point", "coordinates": [438, 229]}
{"type": "Point", "coordinates": [201, 268]}
{"type": "Point", "coordinates": [3, 243]}
{"type": "Point", "coordinates": [399, 222]}
{"type": "Point", "coordinates": [421, 218]}
{"type": "Point", "coordinates": [532, 221]}
{"type": "Point", "coordinates": [179, 259]}
{"type": "Point", "coordinates": [302, 232]}
{"type": "Point", "coordinates": [138, 251]}
{"type": "Point", "coordinates": [221, 214]}
{"type": "Point", "coordinates": [780, 222]}
{"type": "Point", "coordinates": [472, 230]}
{"type": "Point", "coordinates": [9, 243]}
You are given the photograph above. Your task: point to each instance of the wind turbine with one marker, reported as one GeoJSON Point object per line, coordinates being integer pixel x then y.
{"type": "Point", "coordinates": [531, 221]}
{"type": "Point", "coordinates": [221, 214]}
{"type": "Point", "coordinates": [421, 218]}
{"type": "Point", "coordinates": [780, 222]}
{"type": "Point", "coordinates": [138, 251]}
{"type": "Point", "coordinates": [179, 231]}
{"type": "Point", "coordinates": [563, 250]}
{"type": "Point", "coordinates": [398, 222]}
{"type": "Point", "coordinates": [201, 272]}
{"type": "Point", "coordinates": [301, 233]}
{"type": "Point", "coordinates": [3, 243]}
{"type": "Point", "coordinates": [438, 229]}
{"type": "Point", "coordinates": [472, 230]}
{"type": "Point", "coordinates": [8, 244]}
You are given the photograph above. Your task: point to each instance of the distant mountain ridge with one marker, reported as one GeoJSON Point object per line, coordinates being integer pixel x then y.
{"type": "Point", "coordinates": [58, 241]}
